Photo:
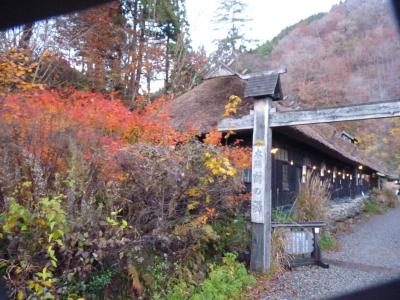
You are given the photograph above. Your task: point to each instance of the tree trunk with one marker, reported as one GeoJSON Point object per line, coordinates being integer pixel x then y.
{"type": "Point", "coordinates": [132, 51]}
{"type": "Point", "coordinates": [136, 83]}
{"type": "Point", "coordinates": [148, 80]}
{"type": "Point", "coordinates": [27, 31]}
{"type": "Point", "coordinates": [167, 66]}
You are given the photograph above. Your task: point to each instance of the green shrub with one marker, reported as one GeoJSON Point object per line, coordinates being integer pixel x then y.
{"type": "Point", "coordinates": [279, 216]}
{"type": "Point", "coordinates": [233, 231]}
{"type": "Point", "coordinates": [327, 241]}
{"type": "Point", "coordinates": [374, 207]}
{"type": "Point", "coordinates": [226, 281]}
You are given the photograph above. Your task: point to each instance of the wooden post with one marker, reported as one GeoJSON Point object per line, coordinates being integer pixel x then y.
{"type": "Point", "coordinates": [261, 187]}
{"type": "Point", "coordinates": [353, 184]}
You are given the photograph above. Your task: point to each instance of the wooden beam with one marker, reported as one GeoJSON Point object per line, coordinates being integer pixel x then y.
{"type": "Point", "coordinates": [245, 122]}
{"type": "Point", "coordinates": [261, 187]}
{"type": "Point", "coordinates": [375, 110]}
{"type": "Point", "coordinates": [365, 111]}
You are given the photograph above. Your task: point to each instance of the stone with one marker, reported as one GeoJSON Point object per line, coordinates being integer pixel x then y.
{"type": "Point", "coordinates": [344, 210]}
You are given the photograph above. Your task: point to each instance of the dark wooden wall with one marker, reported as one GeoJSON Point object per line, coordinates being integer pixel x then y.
{"type": "Point", "coordinates": [287, 174]}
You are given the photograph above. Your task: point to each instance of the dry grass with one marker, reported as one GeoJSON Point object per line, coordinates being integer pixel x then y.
{"type": "Point", "coordinates": [279, 258]}
{"type": "Point", "coordinates": [343, 227]}
{"type": "Point", "coordinates": [312, 202]}
{"type": "Point", "coordinates": [385, 196]}
{"type": "Point", "coordinates": [389, 197]}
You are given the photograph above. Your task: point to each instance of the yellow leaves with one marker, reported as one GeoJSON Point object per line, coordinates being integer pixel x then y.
{"type": "Point", "coordinates": [220, 166]}
{"type": "Point", "coordinates": [232, 106]}
{"type": "Point", "coordinates": [40, 222]}
{"type": "Point", "coordinates": [27, 184]}
{"type": "Point", "coordinates": [200, 220]}
{"type": "Point", "coordinates": [181, 230]}
{"type": "Point", "coordinates": [193, 192]}
{"type": "Point", "coordinates": [112, 222]}
{"type": "Point", "coordinates": [52, 255]}
{"type": "Point", "coordinates": [114, 213]}
{"type": "Point", "coordinates": [193, 205]}
{"type": "Point", "coordinates": [230, 133]}
{"type": "Point", "coordinates": [124, 224]}
{"type": "Point", "coordinates": [16, 71]}
{"type": "Point", "coordinates": [20, 295]}
{"type": "Point", "coordinates": [45, 274]}
{"type": "Point", "coordinates": [36, 287]}
{"type": "Point", "coordinates": [209, 234]}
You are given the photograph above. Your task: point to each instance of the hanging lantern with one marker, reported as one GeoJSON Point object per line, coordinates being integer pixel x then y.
{"type": "Point", "coordinates": [304, 171]}
{"type": "Point", "coordinates": [274, 150]}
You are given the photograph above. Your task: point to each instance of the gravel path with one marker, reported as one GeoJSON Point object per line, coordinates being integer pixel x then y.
{"type": "Point", "coordinates": [368, 255]}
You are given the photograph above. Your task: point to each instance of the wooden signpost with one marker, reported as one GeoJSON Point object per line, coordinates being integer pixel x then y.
{"type": "Point", "coordinates": [265, 89]}
{"type": "Point", "coordinates": [261, 186]}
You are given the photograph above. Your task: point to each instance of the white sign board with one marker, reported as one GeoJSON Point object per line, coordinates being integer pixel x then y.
{"type": "Point", "coordinates": [298, 242]}
{"type": "Point", "coordinates": [258, 185]}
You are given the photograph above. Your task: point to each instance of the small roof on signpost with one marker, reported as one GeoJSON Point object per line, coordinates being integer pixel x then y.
{"type": "Point", "coordinates": [264, 85]}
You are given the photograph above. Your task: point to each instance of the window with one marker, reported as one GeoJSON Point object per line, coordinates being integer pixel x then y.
{"type": "Point", "coordinates": [285, 177]}
{"type": "Point", "coordinates": [246, 175]}
{"type": "Point", "coordinates": [282, 154]}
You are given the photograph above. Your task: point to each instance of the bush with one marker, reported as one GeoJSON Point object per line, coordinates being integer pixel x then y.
{"type": "Point", "coordinates": [145, 202]}
{"type": "Point", "coordinates": [96, 200]}
{"type": "Point", "coordinates": [234, 231]}
{"type": "Point", "coordinates": [226, 281]}
{"type": "Point", "coordinates": [280, 216]}
{"type": "Point", "coordinates": [385, 196]}
{"type": "Point", "coordinates": [373, 207]}
{"type": "Point", "coordinates": [327, 242]}
{"type": "Point", "coordinates": [312, 200]}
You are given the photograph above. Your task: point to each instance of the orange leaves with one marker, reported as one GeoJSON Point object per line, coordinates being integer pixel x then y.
{"type": "Point", "coordinates": [213, 138]}
{"type": "Point", "coordinates": [44, 122]}
{"type": "Point", "coordinates": [16, 71]}
{"type": "Point", "coordinates": [239, 156]}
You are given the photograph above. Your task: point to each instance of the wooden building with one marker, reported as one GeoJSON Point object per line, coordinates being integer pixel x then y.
{"type": "Point", "coordinates": [297, 150]}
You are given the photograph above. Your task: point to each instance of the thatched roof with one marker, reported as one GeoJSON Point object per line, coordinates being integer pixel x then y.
{"type": "Point", "coordinates": [203, 107]}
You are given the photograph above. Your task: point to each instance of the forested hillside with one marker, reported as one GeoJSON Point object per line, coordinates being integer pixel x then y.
{"type": "Point", "coordinates": [350, 55]}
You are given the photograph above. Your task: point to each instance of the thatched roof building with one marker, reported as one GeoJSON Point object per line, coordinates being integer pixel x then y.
{"type": "Point", "coordinates": [203, 107]}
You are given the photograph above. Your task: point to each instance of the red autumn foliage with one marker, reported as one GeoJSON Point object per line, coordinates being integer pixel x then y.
{"type": "Point", "coordinates": [42, 121]}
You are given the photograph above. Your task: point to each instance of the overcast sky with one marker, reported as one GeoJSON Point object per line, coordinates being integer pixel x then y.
{"type": "Point", "coordinates": [269, 17]}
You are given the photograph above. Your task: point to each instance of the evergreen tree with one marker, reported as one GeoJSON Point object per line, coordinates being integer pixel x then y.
{"type": "Point", "coordinates": [230, 16]}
